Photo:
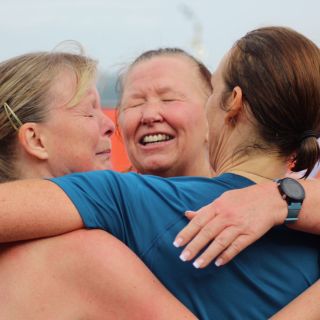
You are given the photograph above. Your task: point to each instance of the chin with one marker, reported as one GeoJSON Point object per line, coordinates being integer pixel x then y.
{"type": "Point", "coordinates": [157, 170]}
{"type": "Point", "coordinates": [102, 166]}
{"type": "Point", "coordinates": [106, 167]}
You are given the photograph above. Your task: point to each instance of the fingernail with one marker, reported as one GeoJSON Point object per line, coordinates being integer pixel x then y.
{"type": "Point", "coordinates": [177, 242]}
{"type": "Point", "coordinates": [198, 263]}
{"type": "Point", "coordinates": [218, 262]}
{"type": "Point", "coordinates": [185, 255]}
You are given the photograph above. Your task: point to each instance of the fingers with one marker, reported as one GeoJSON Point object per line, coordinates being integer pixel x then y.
{"type": "Point", "coordinates": [190, 214]}
{"type": "Point", "coordinates": [207, 234]}
{"type": "Point", "coordinates": [239, 244]}
{"type": "Point", "coordinates": [226, 245]}
{"type": "Point", "coordinates": [222, 242]}
{"type": "Point", "coordinates": [194, 226]}
{"type": "Point", "coordinates": [226, 226]}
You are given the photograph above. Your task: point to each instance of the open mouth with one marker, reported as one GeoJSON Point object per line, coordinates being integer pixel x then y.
{"type": "Point", "coordinates": [155, 138]}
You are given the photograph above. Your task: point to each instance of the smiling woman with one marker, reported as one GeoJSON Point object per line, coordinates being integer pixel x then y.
{"type": "Point", "coordinates": [162, 116]}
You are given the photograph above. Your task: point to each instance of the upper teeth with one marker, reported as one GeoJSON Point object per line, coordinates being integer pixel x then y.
{"type": "Point", "coordinates": [155, 138]}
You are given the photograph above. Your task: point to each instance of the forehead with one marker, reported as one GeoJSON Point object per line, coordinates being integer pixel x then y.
{"type": "Point", "coordinates": [217, 76]}
{"type": "Point", "coordinates": [221, 66]}
{"type": "Point", "coordinates": [162, 71]}
{"type": "Point", "coordinates": [64, 88]}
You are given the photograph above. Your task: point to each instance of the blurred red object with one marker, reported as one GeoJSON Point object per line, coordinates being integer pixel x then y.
{"type": "Point", "coordinates": [119, 157]}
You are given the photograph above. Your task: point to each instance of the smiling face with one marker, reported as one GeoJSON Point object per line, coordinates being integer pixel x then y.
{"type": "Point", "coordinates": [77, 138]}
{"type": "Point", "coordinates": [162, 117]}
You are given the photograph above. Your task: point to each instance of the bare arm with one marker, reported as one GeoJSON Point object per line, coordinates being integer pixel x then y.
{"type": "Point", "coordinates": [35, 208]}
{"type": "Point", "coordinates": [85, 274]}
{"type": "Point", "coordinates": [309, 217]}
{"type": "Point", "coordinates": [240, 217]}
{"type": "Point", "coordinates": [126, 286]}
{"type": "Point", "coordinates": [305, 306]}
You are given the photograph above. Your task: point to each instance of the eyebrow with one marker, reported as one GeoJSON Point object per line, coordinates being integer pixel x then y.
{"type": "Point", "coordinates": [135, 95]}
{"type": "Point", "coordinates": [158, 89]}
{"type": "Point", "coordinates": [166, 89]}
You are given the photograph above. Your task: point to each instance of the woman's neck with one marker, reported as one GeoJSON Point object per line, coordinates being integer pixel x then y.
{"type": "Point", "coordinates": [232, 153]}
{"type": "Point", "coordinates": [29, 167]}
{"type": "Point", "coordinates": [258, 168]}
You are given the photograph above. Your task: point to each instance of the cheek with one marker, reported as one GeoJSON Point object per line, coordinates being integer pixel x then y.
{"type": "Point", "coordinates": [196, 118]}
{"type": "Point", "coordinates": [96, 136]}
{"type": "Point", "coordinates": [89, 136]}
{"type": "Point", "coordinates": [128, 122]}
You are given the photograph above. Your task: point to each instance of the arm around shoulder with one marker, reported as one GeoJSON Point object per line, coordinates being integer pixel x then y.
{"type": "Point", "coordinates": [35, 208]}
{"type": "Point", "coordinates": [309, 217]}
{"type": "Point", "coordinates": [305, 306]}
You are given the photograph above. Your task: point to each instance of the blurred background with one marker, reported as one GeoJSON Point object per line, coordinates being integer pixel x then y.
{"type": "Point", "coordinates": [115, 32]}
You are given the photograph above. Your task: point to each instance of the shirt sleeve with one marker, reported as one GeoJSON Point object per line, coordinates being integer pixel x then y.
{"type": "Point", "coordinates": [125, 205]}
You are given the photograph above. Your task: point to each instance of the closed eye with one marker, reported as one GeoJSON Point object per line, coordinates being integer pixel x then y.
{"type": "Point", "coordinates": [168, 100]}
{"type": "Point", "coordinates": [133, 105]}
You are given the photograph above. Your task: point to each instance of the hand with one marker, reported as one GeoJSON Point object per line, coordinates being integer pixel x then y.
{"type": "Point", "coordinates": [231, 223]}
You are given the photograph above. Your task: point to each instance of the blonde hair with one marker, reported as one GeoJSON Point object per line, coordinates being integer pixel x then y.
{"type": "Point", "coordinates": [25, 86]}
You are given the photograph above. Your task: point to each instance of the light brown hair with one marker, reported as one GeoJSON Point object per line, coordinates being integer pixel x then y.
{"type": "Point", "coordinates": [25, 83]}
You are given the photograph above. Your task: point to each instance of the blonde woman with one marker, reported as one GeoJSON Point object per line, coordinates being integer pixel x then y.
{"type": "Point", "coordinates": [51, 124]}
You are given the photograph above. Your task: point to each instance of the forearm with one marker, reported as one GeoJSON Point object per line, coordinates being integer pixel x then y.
{"type": "Point", "coordinates": [309, 217]}
{"type": "Point", "coordinates": [33, 209]}
{"type": "Point", "coordinates": [305, 306]}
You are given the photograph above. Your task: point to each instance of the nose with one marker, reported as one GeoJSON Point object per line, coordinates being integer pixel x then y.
{"type": "Point", "coordinates": [107, 125]}
{"type": "Point", "coordinates": [151, 114]}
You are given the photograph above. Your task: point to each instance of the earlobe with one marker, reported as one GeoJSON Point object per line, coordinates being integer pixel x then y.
{"type": "Point", "coordinates": [31, 140]}
{"type": "Point", "coordinates": [235, 105]}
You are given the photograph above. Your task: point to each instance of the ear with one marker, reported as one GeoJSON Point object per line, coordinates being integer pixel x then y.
{"type": "Point", "coordinates": [30, 139]}
{"type": "Point", "coordinates": [235, 105]}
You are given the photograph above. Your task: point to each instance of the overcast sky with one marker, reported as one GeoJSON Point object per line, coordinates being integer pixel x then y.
{"type": "Point", "coordinates": [114, 32]}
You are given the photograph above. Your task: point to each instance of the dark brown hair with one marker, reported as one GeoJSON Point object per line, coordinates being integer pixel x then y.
{"type": "Point", "coordinates": [278, 70]}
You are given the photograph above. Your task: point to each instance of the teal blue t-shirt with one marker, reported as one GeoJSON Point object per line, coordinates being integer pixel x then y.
{"type": "Point", "coordinates": [147, 212]}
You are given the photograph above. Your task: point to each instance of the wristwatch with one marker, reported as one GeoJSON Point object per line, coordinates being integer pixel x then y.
{"type": "Point", "coordinates": [293, 192]}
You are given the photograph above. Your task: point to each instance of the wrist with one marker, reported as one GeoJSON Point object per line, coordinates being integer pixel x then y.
{"type": "Point", "coordinates": [281, 209]}
{"type": "Point", "coordinates": [292, 192]}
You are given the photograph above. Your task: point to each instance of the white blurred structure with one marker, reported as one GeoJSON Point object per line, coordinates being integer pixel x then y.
{"type": "Point", "coordinates": [196, 42]}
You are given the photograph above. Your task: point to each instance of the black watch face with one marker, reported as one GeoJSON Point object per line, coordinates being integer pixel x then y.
{"type": "Point", "coordinates": [292, 189]}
